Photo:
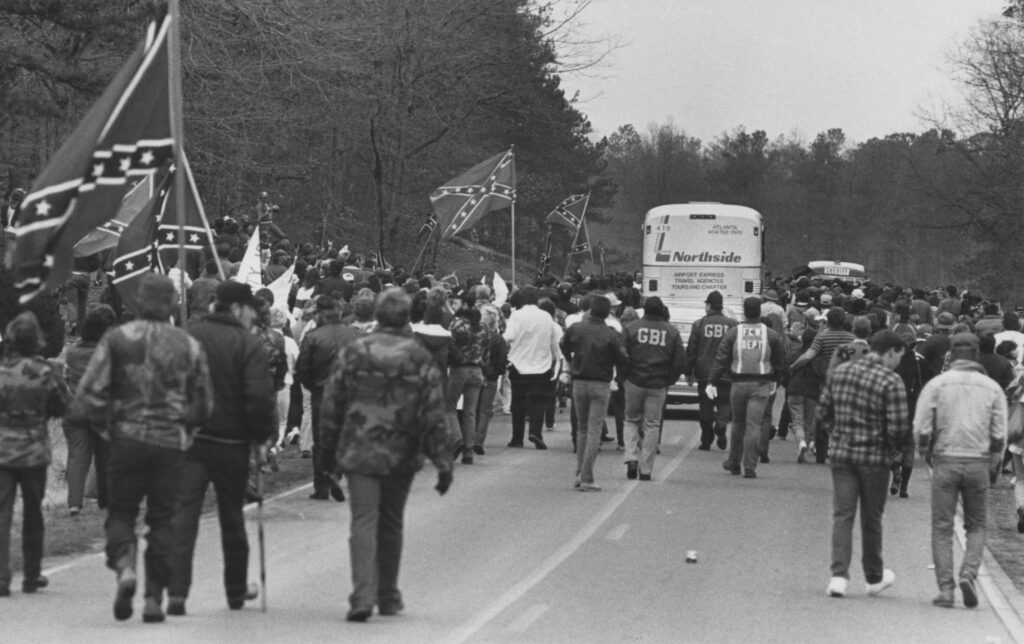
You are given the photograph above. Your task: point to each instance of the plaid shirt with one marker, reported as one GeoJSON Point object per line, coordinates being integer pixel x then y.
{"type": "Point", "coordinates": [863, 407]}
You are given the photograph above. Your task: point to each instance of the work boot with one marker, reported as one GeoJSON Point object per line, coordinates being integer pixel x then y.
{"type": "Point", "coordinates": [152, 611]}
{"type": "Point", "coordinates": [126, 583]}
{"type": "Point", "coordinates": [236, 602]}
{"type": "Point", "coordinates": [176, 606]}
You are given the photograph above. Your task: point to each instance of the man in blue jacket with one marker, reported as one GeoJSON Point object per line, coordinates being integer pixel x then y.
{"type": "Point", "coordinates": [594, 350]}
{"type": "Point", "coordinates": [656, 360]}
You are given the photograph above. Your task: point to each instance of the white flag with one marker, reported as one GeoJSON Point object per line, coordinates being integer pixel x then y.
{"type": "Point", "coordinates": [282, 288]}
{"type": "Point", "coordinates": [500, 290]}
{"type": "Point", "coordinates": [251, 271]}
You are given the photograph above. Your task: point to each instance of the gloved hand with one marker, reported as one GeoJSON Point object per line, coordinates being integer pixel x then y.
{"type": "Point", "coordinates": [444, 481]}
{"type": "Point", "coordinates": [711, 391]}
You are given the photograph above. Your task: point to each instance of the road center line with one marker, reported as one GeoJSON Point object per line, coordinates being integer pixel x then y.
{"type": "Point", "coordinates": [532, 614]}
{"type": "Point", "coordinates": [516, 592]}
{"type": "Point", "coordinates": [617, 532]}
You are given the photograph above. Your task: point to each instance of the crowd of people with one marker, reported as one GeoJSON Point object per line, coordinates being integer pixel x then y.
{"type": "Point", "coordinates": [372, 370]}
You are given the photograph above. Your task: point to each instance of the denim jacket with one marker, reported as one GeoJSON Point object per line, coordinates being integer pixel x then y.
{"type": "Point", "coordinates": [961, 413]}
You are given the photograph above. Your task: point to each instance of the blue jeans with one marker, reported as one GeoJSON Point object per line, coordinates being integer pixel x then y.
{"type": "Point", "coordinates": [32, 481]}
{"type": "Point", "coordinates": [465, 381]}
{"type": "Point", "coordinates": [377, 504]}
{"type": "Point", "coordinates": [953, 479]}
{"type": "Point", "coordinates": [590, 398]}
{"type": "Point", "coordinates": [868, 485]}
{"type": "Point", "coordinates": [643, 404]}
{"type": "Point", "coordinates": [748, 399]}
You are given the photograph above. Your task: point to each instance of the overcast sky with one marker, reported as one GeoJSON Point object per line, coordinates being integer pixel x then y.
{"type": "Point", "coordinates": [783, 66]}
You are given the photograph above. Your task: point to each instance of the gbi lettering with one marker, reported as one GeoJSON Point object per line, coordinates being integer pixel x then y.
{"type": "Point", "coordinates": [715, 331]}
{"type": "Point", "coordinates": [656, 337]}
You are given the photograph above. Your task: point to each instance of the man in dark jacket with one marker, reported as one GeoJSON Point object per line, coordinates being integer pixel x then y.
{"type": "Point", "coordinates": [243, 416]}
{"type": "Point", "coordinates": [656, 360]}
{"type": "Point", "coordinates": [705, 336]}
{"type": "Point", "coordinates": [316, 354]}
{"type": "Point", "coordinates": [594, 350]}
{"type": "Point", "coordinates": [147, 388]}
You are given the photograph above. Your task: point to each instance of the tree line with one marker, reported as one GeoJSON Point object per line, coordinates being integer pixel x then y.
{"type": "Point", "coordinates": [349, 114]}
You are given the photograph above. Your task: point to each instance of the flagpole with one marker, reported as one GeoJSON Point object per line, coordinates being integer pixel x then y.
{"type": "Point", "coordinates": [512, 210]}
{"type": "Point", "coordinates": [202, 215]}
{"type": "Point", "coordinates": [178, 136]}
{"type": "Point", "coordinates": [423, 249]}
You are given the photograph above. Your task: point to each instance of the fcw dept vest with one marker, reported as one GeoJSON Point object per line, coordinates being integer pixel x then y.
{"type": "Point", "coordinates": [750, 353]}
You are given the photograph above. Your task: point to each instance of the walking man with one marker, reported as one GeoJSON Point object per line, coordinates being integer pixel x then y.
{"type": "Point", "coordinates": [594, 350]}
{"type": "Point", "coordinates": [656, 360]}
{"type": "Point", "coordinates": [383, 413]}
{"type": "Point", "coordinates": [960, 427]}
{"type": "Point", "coordinates": [705, 336]}
{"type": "Point", "coordinates": [243, 416]}
{"type": "Point", "coordinates": [147, 388]}
{"type": "Point", "coordinates": [316, 354]}
{"type": "Point", "coordinates": [532, 337]}
{"type": "Point", "coordinates": [863, 407]}
{"type": "Point", "coordinates": [753, 356]}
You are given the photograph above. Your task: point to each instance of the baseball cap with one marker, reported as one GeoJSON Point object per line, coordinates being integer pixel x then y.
{"type": "Point", "coordinates": [946, 320]}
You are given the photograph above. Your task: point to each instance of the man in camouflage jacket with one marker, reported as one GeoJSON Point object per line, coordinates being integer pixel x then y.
{"type": "Point", "coordinates": [149, 385]}
{"type": "Point", "coordinates": [383, 413]}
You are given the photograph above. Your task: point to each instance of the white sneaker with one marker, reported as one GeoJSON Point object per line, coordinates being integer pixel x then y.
{"type": "Point", "coordinates": [837, 587]}
{"type": "Point", "coordinates": [888, 579]}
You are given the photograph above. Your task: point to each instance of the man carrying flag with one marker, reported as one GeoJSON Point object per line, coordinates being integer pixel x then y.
{"type": "Point", "coordinates": [570, 213]}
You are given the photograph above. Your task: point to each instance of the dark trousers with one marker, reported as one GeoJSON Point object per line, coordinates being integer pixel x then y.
{"type": "Point", "coordinates": [83, 446]}
{"type": "Point", "coordinates": [713, 412]}
{"type": "Point", "coordinates": [377, 506]}
{"type": "Point", "coordinates": [530, 394]}
{"type": "Point", "coordinates": [32, 481]}
{"type": "Point", "coordinates": [227, 467]}
{"type": "Point", "coordinates": [321, 478]}
{"type": "Point", "coordinates": [137, 471]}
{"type": "Point", "coordinates": [295, 406]}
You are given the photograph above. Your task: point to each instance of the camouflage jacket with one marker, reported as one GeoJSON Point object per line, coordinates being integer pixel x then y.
{"type": "Point", "coordinates": [273, 344]}
{"type": "Point", "coordinates": [469, 347]}
{"type": "Point", "coordinates": [148, 382]}
{"type": "Point", "coordinates": [31, 391]}
{"type": "Point", "coordinates": [383, 409]}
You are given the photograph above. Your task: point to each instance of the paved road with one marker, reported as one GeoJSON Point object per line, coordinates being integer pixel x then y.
{"type": "Point", "coordinates": [514, 554]}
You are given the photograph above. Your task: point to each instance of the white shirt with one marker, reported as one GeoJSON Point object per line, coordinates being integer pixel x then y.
{"type": "Point", "coordinates": [532, 337]}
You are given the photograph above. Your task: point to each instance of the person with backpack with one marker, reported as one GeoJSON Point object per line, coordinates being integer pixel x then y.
{"type": "Point", "coordinates": [754, 356]}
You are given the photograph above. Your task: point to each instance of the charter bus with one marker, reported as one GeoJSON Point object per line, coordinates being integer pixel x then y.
{"type": "Point", "coordinates": [694, 248]}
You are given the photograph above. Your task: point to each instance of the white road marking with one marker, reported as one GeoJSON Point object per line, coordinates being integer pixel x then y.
{"type": "Point", "coordinates": [532, 614]}
{"type": "Point", "coordinates": [470, 629]}
{"type": "Point", "coordinates": [617, 532]}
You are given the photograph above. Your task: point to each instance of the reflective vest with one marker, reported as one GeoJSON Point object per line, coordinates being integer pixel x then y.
{"type": "Point", "coordinates": [751, 354]}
